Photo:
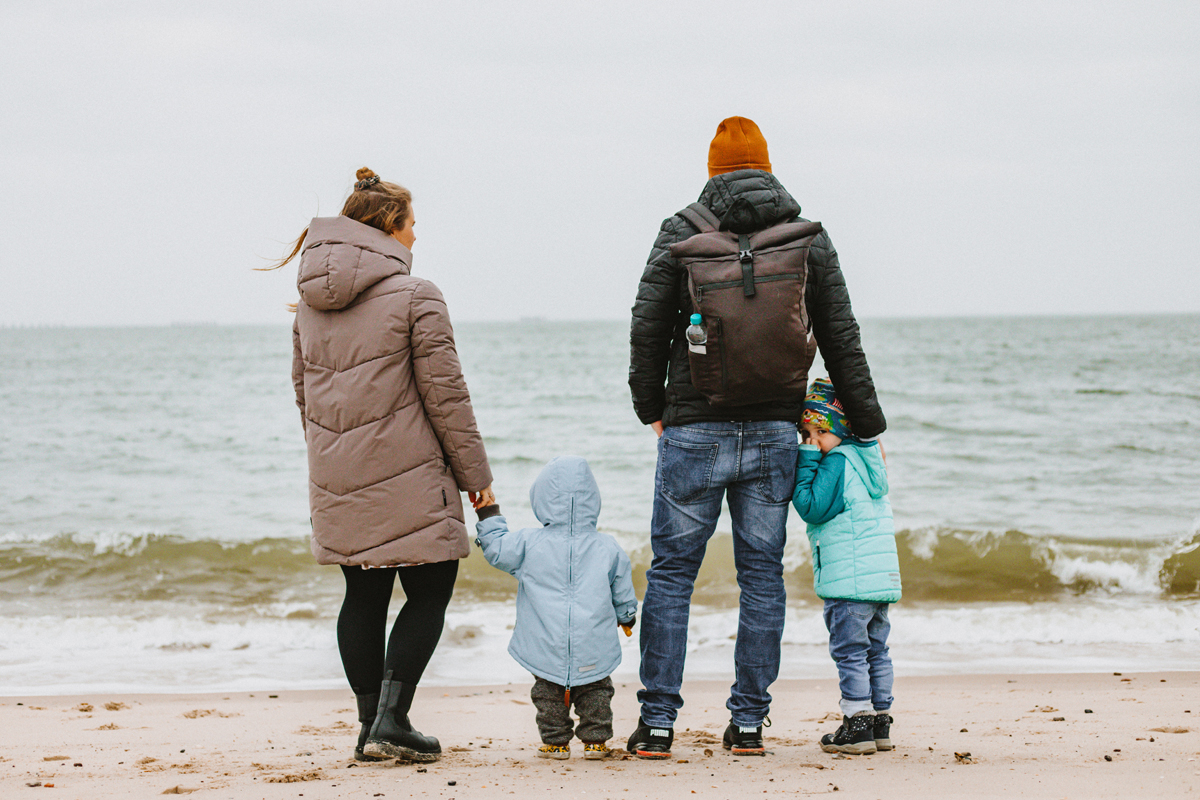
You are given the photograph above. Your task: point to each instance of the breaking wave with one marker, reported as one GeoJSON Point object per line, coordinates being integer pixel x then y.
{"type": "Point", "coordinates": [275, 576]}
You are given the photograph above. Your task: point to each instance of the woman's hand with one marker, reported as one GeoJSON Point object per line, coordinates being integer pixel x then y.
{"type": "Point", "coordinates": [485, 498]}
{"type": "Point", "coordinates": [657, 426]}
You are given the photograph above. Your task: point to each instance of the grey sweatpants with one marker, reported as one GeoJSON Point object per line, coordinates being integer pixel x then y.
{"type": "Point", "coordinates": [593, 705]}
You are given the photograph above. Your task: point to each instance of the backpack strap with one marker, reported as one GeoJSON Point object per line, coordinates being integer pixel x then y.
{"type": "Point", "coordinates": [698, 214]}
{"type": "Point", "coordinates": [746, 258]}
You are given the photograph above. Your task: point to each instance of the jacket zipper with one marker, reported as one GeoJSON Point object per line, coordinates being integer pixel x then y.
{"type": "Point", "coordinates": [570, 593]}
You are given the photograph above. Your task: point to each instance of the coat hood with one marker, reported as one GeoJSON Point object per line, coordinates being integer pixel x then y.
{"type": "Point", "coordinates": [342, 258]}
{"type": "Point", "coordinates": [565, 493]}
{"type": "Point", "coordinates": [752, 199]}
{"type": "Point", "coordinates": [868, 463]}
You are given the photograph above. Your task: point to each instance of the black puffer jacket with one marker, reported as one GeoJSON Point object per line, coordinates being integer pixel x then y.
{"type": "Point", "coordinates": [658, 350]}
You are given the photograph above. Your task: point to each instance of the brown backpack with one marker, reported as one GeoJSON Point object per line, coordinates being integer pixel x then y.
{"type": "Point", "coordinates": [749, 289]}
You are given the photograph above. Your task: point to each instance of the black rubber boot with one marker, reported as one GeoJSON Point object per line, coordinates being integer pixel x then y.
{"type": "Point", "coordinates": [648, 742]}
{"type": "Point", "coordinates": [856, 736]}
{"type": "Point", "coordinates": [392, 735]}
{"type": "Point", "coordinates": [368, 706]}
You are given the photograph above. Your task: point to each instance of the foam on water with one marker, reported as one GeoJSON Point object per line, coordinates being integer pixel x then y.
{"type": "Point", "coordinates": [177, 652]}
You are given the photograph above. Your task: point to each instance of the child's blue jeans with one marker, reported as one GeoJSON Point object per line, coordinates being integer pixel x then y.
{"type": "Point", "coordinates": [858, 643]}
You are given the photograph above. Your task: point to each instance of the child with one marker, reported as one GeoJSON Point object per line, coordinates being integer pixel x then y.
{"type": "Point", "coordinates": [841, 492]}
{"type": "Point", "coordinates": [574, 588]}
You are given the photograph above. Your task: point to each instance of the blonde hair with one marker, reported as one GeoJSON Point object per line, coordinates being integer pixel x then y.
{"type": "Point", "coordinates": [378, 203]}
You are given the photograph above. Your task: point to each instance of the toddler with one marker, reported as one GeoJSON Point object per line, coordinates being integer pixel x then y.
{"type": "Point", "coordinates": [574, 588]}
{"type": "Point", "coordinates": [841, 492]}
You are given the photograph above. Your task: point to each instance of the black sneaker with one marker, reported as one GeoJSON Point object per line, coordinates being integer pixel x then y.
{"type": "Point", "coordinates": [647, 742]}
{"type": "Point", "coordinates": [744, 741]}
{"type": "Point", "coordinates": [883, 730]}
{"type": "Point", "coordinates": [856, 736]}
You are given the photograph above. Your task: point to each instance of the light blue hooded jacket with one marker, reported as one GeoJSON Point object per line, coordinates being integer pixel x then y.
{"type": "Point", "coordinates": [573, 583]}
{"type": "Point", "coordinates": [843, 498]}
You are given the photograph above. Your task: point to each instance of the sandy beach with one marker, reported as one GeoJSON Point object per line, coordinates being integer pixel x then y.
{"type": "Point", "coordinates": [1052, 736]}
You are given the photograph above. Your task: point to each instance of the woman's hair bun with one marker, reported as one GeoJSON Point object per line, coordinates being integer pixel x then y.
{"type": "Point", "coordinates": [363, 174]}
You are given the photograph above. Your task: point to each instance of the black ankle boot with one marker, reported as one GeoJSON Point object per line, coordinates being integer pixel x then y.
{"type": "Point", "coordinates": [368, 705]}
{"type": "Point", "coordinates": [392, 735]}
{"type": "Point", "coordinates": [855, 736]}
{"type": "Point", "coordinates": [883, 730]}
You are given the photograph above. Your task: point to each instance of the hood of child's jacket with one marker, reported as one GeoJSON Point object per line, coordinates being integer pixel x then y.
{"type": "Point", "coordinates": [566, 492]}
{"type": "Point", "coordinates": [867, 461]}
{"type": "Point", "coordinates": [342, 258]}
{"type": "Point", "coordinates": [749, 191]}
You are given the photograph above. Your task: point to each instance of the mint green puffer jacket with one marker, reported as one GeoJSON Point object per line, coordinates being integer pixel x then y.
{"type": "Point", "coordinates": [843, 498]}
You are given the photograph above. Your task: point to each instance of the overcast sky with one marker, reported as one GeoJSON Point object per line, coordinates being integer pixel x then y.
{"type": "Point", "coordinates": [966, 158]}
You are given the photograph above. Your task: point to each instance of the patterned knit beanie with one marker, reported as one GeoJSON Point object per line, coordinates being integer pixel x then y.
{"type": "Point", "coordinates": [823, 410]}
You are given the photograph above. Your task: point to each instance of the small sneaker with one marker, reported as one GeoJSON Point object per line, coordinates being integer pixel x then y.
{"type": "Point", "coordinates": [883, 726]}
{"type": "Point", "coordinates": [647, 742]}
{"type": "Point", "coordinates": [856, 736]}
{"type": "Point", "coordinates": [559, 751]}
{"type": "Point", "coordinates": [595, 751]}
{"type": "Point", "coordinates": [744, 741]}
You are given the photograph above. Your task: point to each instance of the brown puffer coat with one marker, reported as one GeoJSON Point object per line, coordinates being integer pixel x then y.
{"type": "Point", "coordinates": [390, 430]}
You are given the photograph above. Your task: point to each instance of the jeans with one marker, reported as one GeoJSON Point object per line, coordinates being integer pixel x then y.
{"type": "Point", "coordinates": [858, 643]}
{"type": "Point", "coordinates": [754, 465]}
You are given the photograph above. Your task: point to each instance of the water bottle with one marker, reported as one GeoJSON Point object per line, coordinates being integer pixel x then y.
{"type": "Point", "coordinates": [696, 335]}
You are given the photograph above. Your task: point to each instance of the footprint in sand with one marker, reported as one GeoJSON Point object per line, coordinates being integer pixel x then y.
{"type": "Point", "coordinates": [196, 713]}
{"type": "Point", "coordinates": [337, 727]}
{"type": "Point", "coordinates": [297, 777]}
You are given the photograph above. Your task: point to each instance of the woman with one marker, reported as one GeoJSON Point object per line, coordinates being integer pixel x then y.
{"type": "Point", "coordinates": [391, 441]}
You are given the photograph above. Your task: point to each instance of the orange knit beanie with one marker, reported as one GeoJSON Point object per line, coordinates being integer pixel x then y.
{"type": "Point", "coordinates": [739, 144]}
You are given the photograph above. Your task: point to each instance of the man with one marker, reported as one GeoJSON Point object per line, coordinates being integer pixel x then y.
{"type": "Point", "coordinates": [747, 452]}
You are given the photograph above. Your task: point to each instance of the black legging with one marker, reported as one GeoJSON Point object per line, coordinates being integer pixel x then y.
{"type": "Point", "coordinates": [362, 624]}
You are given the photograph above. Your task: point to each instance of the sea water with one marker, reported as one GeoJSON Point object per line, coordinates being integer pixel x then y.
{"type": "Point", "coordinates": [154, 518]}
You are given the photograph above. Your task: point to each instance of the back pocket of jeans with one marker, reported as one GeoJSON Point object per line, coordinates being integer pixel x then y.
{"type": "Point", "coordinates": [686, 469]}
{"type": "Point", "coordinates": [777, 476]}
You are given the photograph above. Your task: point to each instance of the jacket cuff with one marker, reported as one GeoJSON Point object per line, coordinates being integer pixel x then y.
{"type": "Point", "coordinates": [483, 512]}
{"type": "Point", "coordinates": [809, 452]}
{"type": "Point", "coordinates": [649, 417]}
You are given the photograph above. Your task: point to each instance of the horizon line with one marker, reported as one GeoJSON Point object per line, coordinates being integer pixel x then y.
{"type": "Point", "coordinates": [527, 320]}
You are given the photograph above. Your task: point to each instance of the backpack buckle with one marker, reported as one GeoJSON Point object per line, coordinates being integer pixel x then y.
{"type": "Point", "coordinates": [746, 256]}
